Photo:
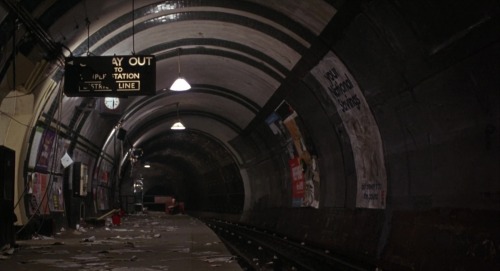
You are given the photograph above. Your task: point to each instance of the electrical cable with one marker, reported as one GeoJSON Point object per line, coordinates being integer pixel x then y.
{"type": "Point", "coordinates": [35, 28]}
{"type": "Point", "coordinates": [8, 115]}
{"type": "Point", "coordinates": [26, 188]}
{"type": "Point", "coordinates": [50, 175]}
{"type": "Point", "coordinates": [14, 75]}
{"type": "Point", "coordinates": [14, 119]}
{"type": "Point", "coordinates": [55, 149]}
{"type": "Point", "coordinates": [66, 47]}
{"type": "Point", "coordinates": [36, 84]}
{"type": "Point", "coordinates": [20, 197]}
{"type": "Point", "coordinates": [87, 23]}
{"type": "Point", "coordinates": [133, 27]}
{"type": "Point", "coordinates": [88, 35]}
{"type": "Point", "coordinates": [14, 53]}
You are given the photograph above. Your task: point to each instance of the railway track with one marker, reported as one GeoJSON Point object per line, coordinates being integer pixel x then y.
{"type": "Point", "coordinates": [260, 250]}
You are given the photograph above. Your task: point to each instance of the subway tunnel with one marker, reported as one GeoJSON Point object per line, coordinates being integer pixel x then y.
{"type": "Point", "coordinates": [367, 128]}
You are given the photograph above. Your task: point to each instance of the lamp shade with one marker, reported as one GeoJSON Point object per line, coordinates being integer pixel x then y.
{"type": "Point", "coordinates": [180, 85]}
{"type": "Point", "coordinates": [178, 126]}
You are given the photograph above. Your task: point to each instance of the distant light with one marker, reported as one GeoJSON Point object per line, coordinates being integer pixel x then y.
{"type": "Point", "coordinates": [147, 165]}
{"type": "Point", "coordinates": [178, 126]}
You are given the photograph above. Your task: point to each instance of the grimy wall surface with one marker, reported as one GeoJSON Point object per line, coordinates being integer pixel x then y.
{"type": "Point", "coordinates": [433, 91]}
{"type": "Point", "coordinates": [389, 110]}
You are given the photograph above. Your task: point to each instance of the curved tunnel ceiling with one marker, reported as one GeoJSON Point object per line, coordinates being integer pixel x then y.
{"type": "Point", "coordinates": [425, 73]}
{"type": "Point", "coordinates": [234, 54]}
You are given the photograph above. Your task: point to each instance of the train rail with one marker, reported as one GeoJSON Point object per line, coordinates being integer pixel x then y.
{"type": "Point", "coordinates": [260, 250]}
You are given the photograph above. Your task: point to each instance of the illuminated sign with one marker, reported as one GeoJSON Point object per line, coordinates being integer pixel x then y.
{"type": "Point", "coordinates": [110, 76]}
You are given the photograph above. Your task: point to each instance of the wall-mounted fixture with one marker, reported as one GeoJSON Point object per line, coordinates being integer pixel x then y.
{"type": "Point", "coordinates": [180, 84]}
{"type": "Point", "coordinates": [178, 125]}
{"type": "Point", "coordinates": [147, 165]}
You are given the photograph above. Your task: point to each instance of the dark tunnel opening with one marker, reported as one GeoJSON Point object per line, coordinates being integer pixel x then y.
{"type": "Point", "coordinates": [190, 167]}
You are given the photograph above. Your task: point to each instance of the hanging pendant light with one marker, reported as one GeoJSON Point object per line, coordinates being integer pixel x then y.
{"type": "Point", "coordinates": [180, 84]}
{"type": "Point", "coordinates": [178, 125]}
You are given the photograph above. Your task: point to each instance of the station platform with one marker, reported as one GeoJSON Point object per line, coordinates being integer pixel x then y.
{"type": "Point", "coordinates": [146, 242]}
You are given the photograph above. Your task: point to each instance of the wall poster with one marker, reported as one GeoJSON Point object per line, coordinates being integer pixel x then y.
{"type": "Point", "coordinates": [297, 182]}
{"type": "Point", "coordinates": [303, 168]}
{"type": "Point", "coordinates": [39, 201]}
{"type": "Point", "coordinates": [35, 145]}
{"type": "Point", "coordinates": [361, 127]}
{"type": "Point", "coordinates": [84, 180]}
{"type": "Point", "coordinates": [101, 185]}
{"type": "Point", "coordinates": [45, 150]}
{"type": "Point", "coordinates": [102, 198]}
{"type": "Point", "coordinates": [104, 173]}
{"type": "Point", "coordinates": [87, 166]}
{"type": "Point", "coordinates": [56, 202]}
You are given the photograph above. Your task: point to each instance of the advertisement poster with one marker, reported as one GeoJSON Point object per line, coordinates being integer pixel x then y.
{"type": "Point", "coordinates": [84, 180]}
{"type": "Point", "coordinates": [275, 122]}
{"type": "Point", "coordinates": [101, 184]}
{"type": "Point", "coordinates": [310, 174]}
{"type": "Point", "coordinates": [35, 145]}
{"type": "Point", "coordinates": [304, 171]}
{"type": "Point", "coordinates": [104, 173]}
{"type": "Point", "coordinates": [45, 152]}
{"type": "Point", "coordinates": [297, 182]}
{"type": "Point", "coordinates": [56, 202]}
{"type": "Point", "coordinates": [39, 203]}
{"type": "Point", "coordinates": [363, 132]}
{"type": "Point", "coordinates": [102, 198]}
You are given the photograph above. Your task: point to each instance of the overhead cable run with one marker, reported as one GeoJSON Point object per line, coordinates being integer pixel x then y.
{"type": "Point", "coordinates": [53, 48]}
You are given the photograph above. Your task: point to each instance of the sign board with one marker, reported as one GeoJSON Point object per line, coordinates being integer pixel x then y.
{"type": "Point", "coordinates": [110, 76]}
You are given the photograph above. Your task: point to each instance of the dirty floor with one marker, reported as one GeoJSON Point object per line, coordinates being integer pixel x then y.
{"type": "Point", "coordinates": [146, 242]}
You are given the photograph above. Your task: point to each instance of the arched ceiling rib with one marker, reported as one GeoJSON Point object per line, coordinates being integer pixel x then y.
{"type": "Point", "coordinates": [236, 54]}
{"type": "Point", "coordinates": [153, 20]}
{"type": "Point", "coordinates": [164, 14]}
{"type": "Point", "coordinates": [201, 89]}
{"type": "Point", "coordinates": [220, 45]}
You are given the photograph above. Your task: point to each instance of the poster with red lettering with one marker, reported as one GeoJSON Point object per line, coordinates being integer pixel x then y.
{"type": "Point", "coordinates": [39, 203]}
{"type": "Point", "coordinates": [45, 150]}
{"type": "Point", "coordinates": [297, 181]}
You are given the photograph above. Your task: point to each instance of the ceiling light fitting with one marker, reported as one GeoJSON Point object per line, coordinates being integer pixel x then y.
{"type": "Point", "coordinates": [180, 84]}
{"type": "Point", "coordinates": [178, 125]}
